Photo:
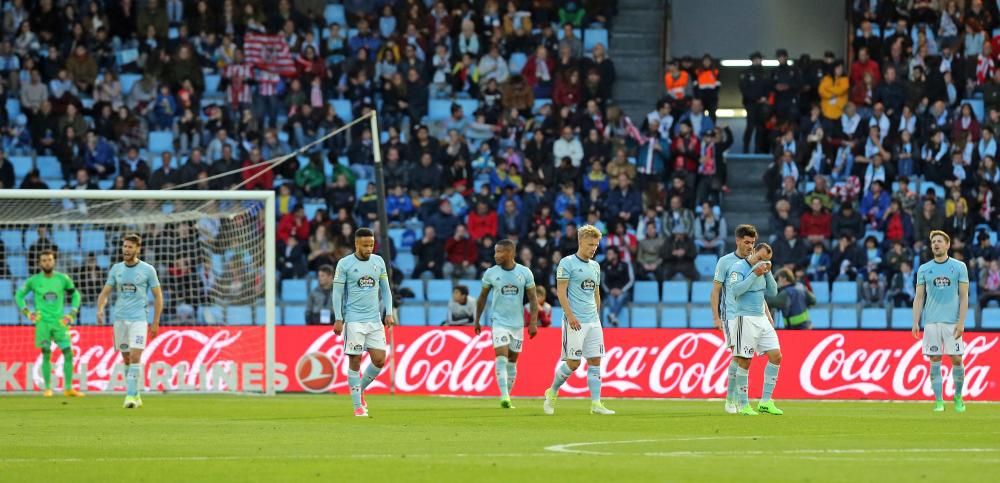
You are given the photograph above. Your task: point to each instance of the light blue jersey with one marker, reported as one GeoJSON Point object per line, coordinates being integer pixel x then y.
{"type": "Point", "coordinates": [356, 287]}
{"type": "Point", "coordinates": [584, 278]}
{"type": "Point", "coordinates": [745, 290]}
{"type": "Point", "coordinates": [131, 284]}
{"type": "Point", "coordinates": [941, 284]}
{"type": "Point", "coordinates": [721, 270]}
{"type": "Point", "coordinates": [508, 288]}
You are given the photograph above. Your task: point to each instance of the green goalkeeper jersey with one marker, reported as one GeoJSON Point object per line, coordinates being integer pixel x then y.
{"type": "Point", "coordinates": [50, 295]}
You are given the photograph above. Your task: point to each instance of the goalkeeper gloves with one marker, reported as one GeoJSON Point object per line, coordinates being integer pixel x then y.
{"type": "Point", "coordinates": [31, 316]}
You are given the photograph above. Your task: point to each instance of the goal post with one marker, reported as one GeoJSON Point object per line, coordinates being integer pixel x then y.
{"type": "Point", "coordinates": [214, 252]}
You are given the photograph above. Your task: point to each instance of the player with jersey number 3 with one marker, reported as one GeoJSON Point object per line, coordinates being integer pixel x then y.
{"type": "Point", "coordinates": [357, 282]}
{"type": "Point", "coordinates": [130, 280]}
{"type": "Point", "coordinates": [509, 281]}
{"type": "Point", "coordinates": [578, 282]}
{"type": "Point", "coordinates": [941, 302]}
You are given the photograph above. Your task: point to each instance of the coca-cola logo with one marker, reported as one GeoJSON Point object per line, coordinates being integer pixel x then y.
{"type": "Point", "coordinates": [830, 369]}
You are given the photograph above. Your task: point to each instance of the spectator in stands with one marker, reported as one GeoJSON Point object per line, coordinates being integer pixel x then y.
{"type": "Point", "coordinates": [875, 203]}
{"type": "Point", "coordinates": [710, 231]}
{"type": "Point", "coordinates": [318, 307]}
{"type": "Point", "coordinates": [701, 124]}
{"type": "Point", "coordinates": [677, 83]}
{"type": "Point", "coordinates": [624, 202]}
{"type": "Point", "coordinates": [845, 259]}
{"type": "Point", "coordinates": [544, 308]}
{"type": "Point", "coordinates": [678, 255]}
{"type": "Point", "coordinates": [539, 72]}
{"type": "Point", "coordinates": [617, 280]}
{"type": "Point", "coordinates": [789, 192]}
{"type": "Point", "coordinates": [429, 252]}
{"type": "Point", "coordinates": [321, 248]}
{"type": "Point", "coordinates": [790, 250]}
{"type": "Point", "coordinates": [755, 87]}
{"type": "Point", "coordinates": [678, 219]}
{"type": "Point", "coordinates": [648, 255]}
{"type": "Point", "coordinates": [166, 175]}
{"type": "Point", "coordinates": [568, 146]}
{"type": "Point", "coordinates": [873, 291]}
{"type": "Point", "coordinates": [292, 258]}
{"type": "Point", "coordinates": [293, 225]}
{"type": "Point", "coordinates": [686, 150]}
{"type": "Point", "coordinates": [902, 288]}
{"type": "Point", "coordinates": [929, 219]}
{"type": "Point", "coordinates": [818, 263]}
{"type": "Point", "coordinates": [460, 255]}
{"type": "Point", "coordinates": [989, 284]}
{"type": "Point", "coordinates": [816, 224]}
{"type": "Point", "coordinates": [461, 308]}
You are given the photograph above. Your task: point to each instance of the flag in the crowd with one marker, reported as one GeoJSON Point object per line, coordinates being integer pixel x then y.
{"type": "Point", "coordinates": [269, 52]}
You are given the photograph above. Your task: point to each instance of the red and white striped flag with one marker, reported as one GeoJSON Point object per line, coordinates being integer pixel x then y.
{"type": "Point", "coordinates": [269, 52]}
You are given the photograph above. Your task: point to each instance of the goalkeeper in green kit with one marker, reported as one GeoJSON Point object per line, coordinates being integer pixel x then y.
{"type": "Point", "coordinates": [51, 323]}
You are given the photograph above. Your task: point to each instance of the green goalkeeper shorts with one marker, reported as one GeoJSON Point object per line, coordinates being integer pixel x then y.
{"type": "Point", "coordinates": [47, 332]}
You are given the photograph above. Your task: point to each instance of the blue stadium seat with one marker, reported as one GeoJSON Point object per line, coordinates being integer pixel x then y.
{"type": "Point", "coordinates": [978, 107]}
{"type": "Point", "coordinates": [416, 285]}
{"type": "Point", "coordinates": [822, 292]}
{"type": "Point", "coordinates": [844, 318]}
{"type": "Point", "coordinates": [844, 293]}
{"type": "Point", "coordinates": [439, 290]}
{"type": "Point", "coordinates": [334, 13]}
{"type": "Point", "coordinates": [18, 266]}
{"type": "Point", "coordinates": [88, 315]}
{"type": "Point", "coordinates": [105, 184]}
{"type": "Point", "coordinates": [294, 290]}
{"type": "Point", "coordinates": [516, 62]}
{"type": "Point", "coordinates": [238, 315]}
{"type": "Point", "coordinates": [406, 263]}
{"type": "Point", "coordinates": [820, 317]}
{"type": "Point", "coordinates": [127, 81]}
{"type": "Point", "coordinates": [395, 234]}
{"type": "Point", "coordinates": [973, 293]}
{"type": "Point", "coordinates": [13, 107]}
{"type": "Point", "coordinates": [312, 208]}
{"type": "Point", "coordinates": [212, 82]}
{"type": "Point", "coordinates": [343, 109]}
{"type": "Point", "coordinates": [879, 236]}
{"type": "Point", "coordinates": [6, 290]}
{"type": "Point", "coordinates": [12, 241]}
{"type": "Point", "coordinates": [260, 314]}
{"type": "Point", "coordinates": [30, 237]}
{"type": "Point", "coordinates": [436, 314]}
{"type": "Point", "coordinates": [557, 316]}
{"type": "Point", "coordinates": [673, 317]}
{"type": "Point", "coordinates": [22, 166]}
{"type": "Point", "coordinates": [104, 261]}
{"type": "Point", "coordinates": [412, 314]}
{"type": "Point", "coordinates": [294, 314]}
{"type": "Point", "coordinates": [438, 109]}
{"type": "Point", "coordinates": [902, 318]}
{"type": "Point", "coordinates": [646, 292]}
{"type": "Point", "coordinates": [469, 106]}
{"type": "Point", "coordinates": [701, 292]}
{"type": "Point", "coordinates": [675, 292]}
{"type": "Point", "coordinates": [9, 315]}
{"type": "Point", "coordinates": [701, 317]}
{"type": "Point", "coordinates": [539, 103]}
{"type": "Point", "coordinates": [643, 317]}
{"type": "Point", "coordinates": [873, 318]}
{"type": "Point", "coordinates": [93, 241]}
{"type": "Point", "coordinates": [705, 264]}
{"type": "Point", "coordinates": [474, 286]}
{"type": "Point", "coordinates": [360, 187]}
{"type": "Point", "coordinates": [592, 37]}
{"type": "Point", "coordinates": [211, 315]}
{"type": "Point", "coordinates": [624, 318]}
{"type": "Point", "coordinates": [160, 141]}
{"type": "Point", "coordinates": [578, 33]}
{"type": "Point", "coordinates": [990, 318]}
{"type": "Point", "coordinates": [66, 240]}
{"type": "Point", "coordinates": [49, 167]}
{"type": "Point", "coordinates": [938, 189]}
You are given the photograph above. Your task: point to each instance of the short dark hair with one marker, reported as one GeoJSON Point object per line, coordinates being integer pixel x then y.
{"type": "Point", "coordinates": [507, 243]}
{"type": "Point", "coordinates": [327, 269]}
{"type": "Point", "coordinates": [364, 232]}
{"type": "Point", "coordinates": [134, 238]}
{"type": "Point", "coordinates": [462, 289]}
{"type": "Point", "coordinates": [745, 231]}
{"type": "Point", "coordinates": [47, 252]}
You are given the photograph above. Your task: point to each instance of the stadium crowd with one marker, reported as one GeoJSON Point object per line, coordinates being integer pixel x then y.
{"type": "Point", "coordinates": [530, 143]}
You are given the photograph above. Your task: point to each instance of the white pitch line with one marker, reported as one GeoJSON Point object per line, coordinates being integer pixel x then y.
{"type": "Point", "coordinates": [569, 448]}
{"type": "Point", "coordinates": [119, 459]}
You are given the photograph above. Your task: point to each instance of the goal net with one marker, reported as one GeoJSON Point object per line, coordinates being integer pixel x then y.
{"type": "Point", "coordinates": [214, 256]}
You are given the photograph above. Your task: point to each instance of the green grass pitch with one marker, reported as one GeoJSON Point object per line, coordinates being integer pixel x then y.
{"type": "Point", "coordinates": [317, 438]}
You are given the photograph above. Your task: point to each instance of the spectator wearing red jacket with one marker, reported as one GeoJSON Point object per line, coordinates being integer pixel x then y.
{"type": "Point", "coordinates": [265, 181]}
{"type": "Point", "coordinates": [863, 65]}
{"type": "Point", "coordinates": [539, 72]}
{"type": "Point", "coordinates": [460, 254]}
{"type": "Point", "coordinates": [568, 90]}
{"type": "Point", "coordinates": [544, 309]}
{"type": "Point", "coordinates": [294, 224]}
{"type": "Point", "coordinates": [686, 150]}
{"type": "Point", "coordinates": [482, 222]}
{"type": "Point", "coordinates": [816, 224]}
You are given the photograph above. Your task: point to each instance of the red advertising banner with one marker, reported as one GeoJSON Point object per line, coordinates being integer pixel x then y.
{"type": "Point", "coordinates": [656, 363]}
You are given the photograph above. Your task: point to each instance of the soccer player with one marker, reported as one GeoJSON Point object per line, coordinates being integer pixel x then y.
{"type": "Point", "coordinates": [509, 281]}
{"type": "Point", "coordinates": [578, 282]}
{"type": "Point", "coordinates": [941, 302]}
{"type": "Point", "coordinates": [51, 323]}
{"type": "Point", "coordinates": [746, 236]}
{"type": "Point", "coordinates": [130, 280]}
{"type": "Point", "coordinates": [359, 279]}
{"type": "Point", "coordinates": [746, 284]}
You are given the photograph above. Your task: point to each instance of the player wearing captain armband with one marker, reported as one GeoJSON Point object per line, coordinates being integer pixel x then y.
{"type": "Point", "coordinates": [50, 289]}
{"type": "Point", "coordinates": [509, 282]}
{"type": "Point", "coordinates": [359, 279]}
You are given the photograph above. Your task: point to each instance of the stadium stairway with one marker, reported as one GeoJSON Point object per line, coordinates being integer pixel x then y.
{"type": "Point", "coordinates": [747, 200]}
{"type": "Point", "coordinates": [635, 49]}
